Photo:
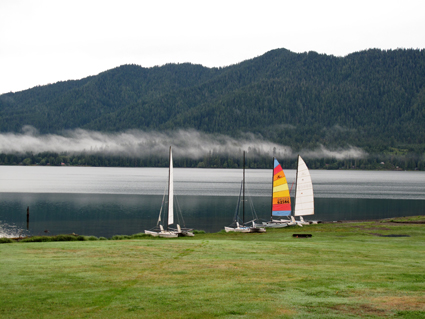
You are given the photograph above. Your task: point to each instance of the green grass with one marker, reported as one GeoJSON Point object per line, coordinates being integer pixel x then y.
{"type": "Point", "coordinates": [345, 270]}
{"type": "Point", "coordinates": [406, 219]}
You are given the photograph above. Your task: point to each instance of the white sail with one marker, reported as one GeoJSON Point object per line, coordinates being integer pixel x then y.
{"type": "Point", "coordinates": [170, 192]}
{"type": "Point", "coordinates": [304, 198]}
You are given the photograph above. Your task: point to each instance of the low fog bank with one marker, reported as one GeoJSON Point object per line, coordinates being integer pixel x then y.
{"type": "Point", "coordinates": [135, 143]}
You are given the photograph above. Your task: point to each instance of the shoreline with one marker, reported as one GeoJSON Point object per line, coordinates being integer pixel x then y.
{"type": "Point", "coordinates": [405, 220]}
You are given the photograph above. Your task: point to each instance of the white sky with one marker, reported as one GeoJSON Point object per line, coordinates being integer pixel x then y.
{"type": "Point", "coordinates": [45, 41]}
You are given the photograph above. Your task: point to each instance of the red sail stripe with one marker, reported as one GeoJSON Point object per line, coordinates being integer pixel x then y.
{"type": "Point", "coordinates": [281, 207]}
{"type": "Point", "coordinates": [277, 169]}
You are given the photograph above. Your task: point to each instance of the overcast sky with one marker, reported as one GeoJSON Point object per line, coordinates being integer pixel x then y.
{"type": "Point", "coordinates": [47, 41]}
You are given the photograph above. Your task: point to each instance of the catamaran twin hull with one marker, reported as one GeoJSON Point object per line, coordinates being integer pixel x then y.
{"type": "Point", "coordinates": [237, 229]}
{"type": "Point", "coordinates": [170, 233]}
{"type": "Point", "coordinates": [274, 224]}
{"type": "Point", "coordinates": [164, 234]}
{"type": "Point", "coordinates": [245, 229]}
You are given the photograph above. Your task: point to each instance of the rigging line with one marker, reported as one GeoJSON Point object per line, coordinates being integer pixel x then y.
{"type": "Point", "coordinates": [236, 217]}
{"type": "Point", "coordinates": [291, 187]}
{"type": "Point", "coordinates": [179, 213]}
{"type": "Point", "coordinates": [251, 204]}
{"type": "Point", "coordinates": [162, 205]}
{"type": "Point", "coordinates": [254, 213]}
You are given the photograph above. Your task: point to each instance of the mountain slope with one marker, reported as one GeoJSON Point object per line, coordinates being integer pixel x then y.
{"type": "Point", "coordinates": [366, 98]}
{"type": "Point", "coordinates": [73, 104]}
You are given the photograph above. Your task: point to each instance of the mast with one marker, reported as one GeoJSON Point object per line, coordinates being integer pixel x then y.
{"type": "Point", "coordinates": [243, 198]}
{"type": "Point", "coordinates": [170, 191]}
{"type": "Point", "coordinates": [296, 183]}
{"type": "Point", "coordinates": [271, 208]}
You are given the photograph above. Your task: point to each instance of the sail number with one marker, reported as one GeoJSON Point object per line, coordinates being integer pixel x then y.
{"type": "Point", "coordinates": [283, 200]}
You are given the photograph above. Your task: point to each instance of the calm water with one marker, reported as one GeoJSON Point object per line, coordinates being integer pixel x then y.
{"type": "Point", "coordinates": [111, 201]}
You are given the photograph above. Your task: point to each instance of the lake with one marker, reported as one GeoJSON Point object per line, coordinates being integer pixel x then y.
{"type": "Point", "coordinates": [115, 201]}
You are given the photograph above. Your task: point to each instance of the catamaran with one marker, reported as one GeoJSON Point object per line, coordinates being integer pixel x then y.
{"type": "Point", "coordinates": [159, 231]}
{"type": "Point", "coordinates": [242, 228]}
{"type": "Point", "coordinates": [281, 200]}
{"type": "Point", "coordinates": [238, 228]}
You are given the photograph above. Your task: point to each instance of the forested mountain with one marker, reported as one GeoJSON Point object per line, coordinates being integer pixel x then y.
{"type": "Point", "coordinates": [368, 99]}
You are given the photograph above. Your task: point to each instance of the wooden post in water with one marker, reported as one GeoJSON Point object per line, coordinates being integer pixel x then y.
{"type": "Point", "coordinates": [28, 217]}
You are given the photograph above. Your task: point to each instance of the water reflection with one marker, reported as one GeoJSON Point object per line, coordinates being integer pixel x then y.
{"type": "Point", "coordinates": [108, 215]}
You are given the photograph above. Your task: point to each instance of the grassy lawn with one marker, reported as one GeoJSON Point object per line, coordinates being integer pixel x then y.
{"type": "Point", "coordinates": [345, 270]}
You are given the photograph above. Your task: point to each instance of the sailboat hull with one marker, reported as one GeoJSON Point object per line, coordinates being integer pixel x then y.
{"type": "Point", "coordinates": [152, 233]}
{"type": "Point", "coordinates": [274, 224]}
{"type": "Point", "coordinates": [237, 229]}
{"type": "Point", "coordinates": [245, 229]}
{"type": "Point", "coordinates": [168, 235]}
{"type": "Point", "coordinates": [163, 234]}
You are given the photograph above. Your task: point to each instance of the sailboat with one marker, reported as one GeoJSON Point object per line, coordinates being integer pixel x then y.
{"type": "Point", "coordinates": [254, 228]}
{"type": "Point", "coordinates": [281, 201]}
{"type": "Point", "coordinates": [169, 233]}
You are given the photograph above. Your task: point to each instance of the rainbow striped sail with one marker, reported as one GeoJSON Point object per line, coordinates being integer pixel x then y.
{"type": "Point", "coordinates": [281, 205]}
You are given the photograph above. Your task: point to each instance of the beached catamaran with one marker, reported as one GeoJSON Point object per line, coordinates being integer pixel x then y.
{"type": "Point", "coordinates": [159, 231]}
{"type": "Point", "coordinates": [242, 228]}
{"type": "Point", "coordinates": [281, 199]}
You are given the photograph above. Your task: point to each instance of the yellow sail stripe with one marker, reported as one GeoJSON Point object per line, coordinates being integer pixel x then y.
{"type": "Point", "coordinates": [280, 188]}
{"type": "Point", "coordinates": [281, 194]}
{"type": "Point", "coordinates": [279, 182]}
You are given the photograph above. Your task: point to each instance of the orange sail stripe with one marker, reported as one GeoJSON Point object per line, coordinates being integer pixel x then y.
{"type": "Point", "coordinates": [281, 200]}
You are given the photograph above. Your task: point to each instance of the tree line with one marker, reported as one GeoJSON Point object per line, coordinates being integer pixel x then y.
{"type": "Point", "coordinates": [382, 162]}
